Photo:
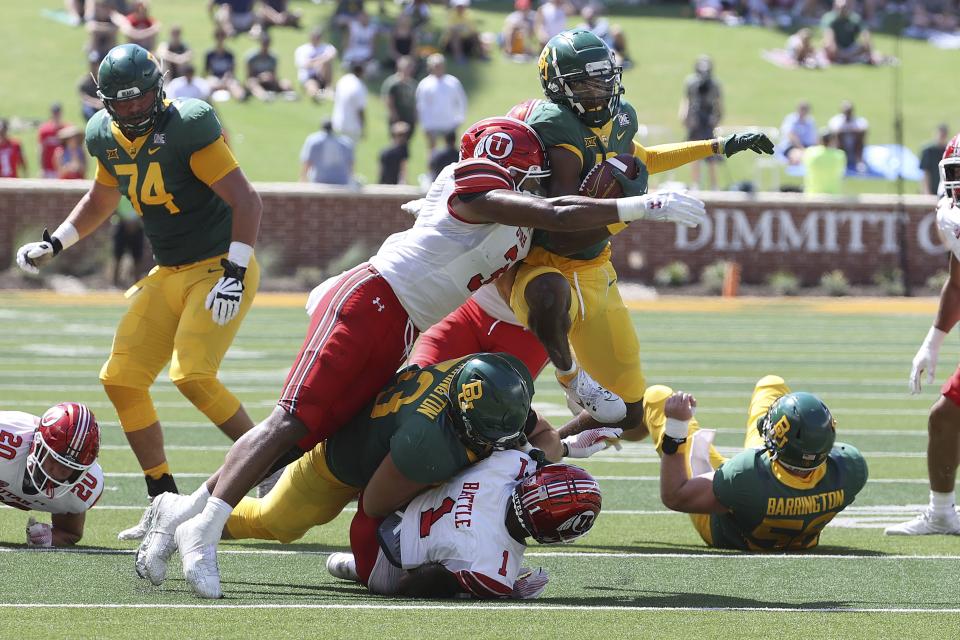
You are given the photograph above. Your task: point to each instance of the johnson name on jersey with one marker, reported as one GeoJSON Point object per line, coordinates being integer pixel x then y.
{"type": "Point", "coordinates": [16, 438]}
{"type": "Point", "coordinates": [434, 266]}
{"type": "Point", "coordinates": [460, 524]}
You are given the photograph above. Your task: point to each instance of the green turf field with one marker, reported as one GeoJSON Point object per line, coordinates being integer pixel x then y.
{"type": "Point", "coordinates": [642, 571]}
{"type": "Point", "coordinates": [43, 63]}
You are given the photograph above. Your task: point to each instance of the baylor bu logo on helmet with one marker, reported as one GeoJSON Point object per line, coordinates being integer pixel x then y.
{"type": "Point", "coordinates": [510, 143]}
{"type": "Point", "coordinates": [559, 503]}
{"type": "Point", "coordinates": [65, 445]}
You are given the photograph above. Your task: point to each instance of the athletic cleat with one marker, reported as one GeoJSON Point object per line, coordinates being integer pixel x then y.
{"type": "Point", "coordinates": [604, 406]}
{"type": "Point", "coordinates": [167, 512]}
{"type": "Point", "coordinates": [269, 483]}
{"type": "Point", "coordinates": [343, 566]}
{"type": "Point", "coordinates": [199, 558]}
{"type": "Point", "coordinates": [928, 523]}
{"type": "Point", "coordinates": [137, 531]}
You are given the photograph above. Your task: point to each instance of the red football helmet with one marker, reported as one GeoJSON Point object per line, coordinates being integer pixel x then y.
{"type": "Point", "coordinates": [68, 435]}
{"type": "Point", "coordinates": [524, 109]}
{"type": "Point", "coordinates": [950, 170]}
{"type": "Point", "coordinates": [559, 503]}
{"type": "Point", "coordinates": [512, 144]}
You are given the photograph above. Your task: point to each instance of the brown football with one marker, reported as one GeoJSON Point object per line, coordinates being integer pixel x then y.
{"type": "Point", "coordinates": [600, 183]}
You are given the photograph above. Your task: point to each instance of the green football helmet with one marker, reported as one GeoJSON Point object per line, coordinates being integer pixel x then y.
{"type": "Point", "coordinates": [131, 74]}
{"type": "Point", "coordinates": [578, 70]}
{"type": "Point", "coordinates": [490, 400]}
{"type": "Point", "coordinates": [798, 431]}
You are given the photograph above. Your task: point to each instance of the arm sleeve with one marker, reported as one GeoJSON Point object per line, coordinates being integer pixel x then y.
{"type": "Point", "coordinates": [724, 486]}
{"type": "Point", "coordinates": [213, 162]}
{"type": "Point", "coordinates": [664, 157]}
{"type": "Point", "coordinates": [104, 177]}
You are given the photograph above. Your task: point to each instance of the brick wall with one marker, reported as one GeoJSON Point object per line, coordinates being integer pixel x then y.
{"type": "Point", "coordinates": [308, 225]}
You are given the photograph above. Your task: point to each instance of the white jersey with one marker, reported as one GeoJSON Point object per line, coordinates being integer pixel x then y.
{"type": "Point", "coordinates": [488, 298]}
{"type": "Point", "coordinates": [16, 437]}
{"type": "Point", "coordinates": [460, 525]}
{"type": "Point", "coordinates": [436, 264]}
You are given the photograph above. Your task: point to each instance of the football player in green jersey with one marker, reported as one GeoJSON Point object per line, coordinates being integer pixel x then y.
{"type": "Point", "coordinates": [201, 215]}
{"type": "Point", "coordinates": [779, 493]}
{"type": "Point", "coordinates": [565, 289]}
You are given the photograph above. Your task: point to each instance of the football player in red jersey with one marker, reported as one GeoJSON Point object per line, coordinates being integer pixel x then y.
{"type": "Point", "coordinates": [49, 464]}
{"type": "Point", "coordinates": [468, 536]}
{"type": "Point", "coordinates": [474, 224]}
{"type": "Point", "coordinates": [943, 447]}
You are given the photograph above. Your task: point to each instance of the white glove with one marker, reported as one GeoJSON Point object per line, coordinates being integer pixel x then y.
{"type": "Point", "coordinates": [665, 206]}
{"type": "Point", "coordinates": [33, 255]}
{"type": "Point", "coordinates": [414, 206]}
{"type": "Point", "coordinates": [224, 298]}
{"type": "Point", "coordinates": [530, 584]}
{"type": "Point", "coordinates": [926, 359]}
{"type": "Point", "coordinates": [39, 534]}
{"type": "Point", "coordinates": [586, 443]}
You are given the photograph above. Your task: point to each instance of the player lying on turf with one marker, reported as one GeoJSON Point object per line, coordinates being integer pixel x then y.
{"type": "Point", "coordinates": [423, 428]}
{"type": "Point", "coordinates": [49, 464]}
{"type": "Point", "coordinates": [565, 289]}
{"type": "Point", "coordinates": [479, 225]}
{"type": "Point", "coordinates": [778, 494]}
{"type": "Point", "coordinates": [943, 447]}
{"type": "Point", "coordinates": [468, 536]}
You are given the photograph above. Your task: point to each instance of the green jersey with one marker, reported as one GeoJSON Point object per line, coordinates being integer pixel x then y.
{"type": "Point", "coordinates": [158, 172]}
{"type": "Point", "coordinates": [410, 421]}
{"type": "Point", "coordinates": [771, 510]}
{"type": "Point", "coordinates": [557, 126]}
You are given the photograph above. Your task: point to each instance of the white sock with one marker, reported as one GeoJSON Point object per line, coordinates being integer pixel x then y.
{"type": "Point", "coordinates": [568, 372]}
{"type": "Point", "coordinates": [942, 502]}
{"type": "Point", "coordinates": [198, 499]}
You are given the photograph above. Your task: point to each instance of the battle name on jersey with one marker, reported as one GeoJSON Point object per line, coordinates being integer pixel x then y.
{"type": "Point", "coordinates": [805, 505]}
{"type": "Point", "coordinates": [463, 511]}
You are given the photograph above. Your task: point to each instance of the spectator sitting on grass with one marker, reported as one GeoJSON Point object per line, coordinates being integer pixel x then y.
{"type": "Point", "coordinates": [612, 36]}
{"type": "Point", "coordinates": [825, 166]}
{"type": "Point", "coordinates": [419, 12]}
{"type": "Point", "coordinates": [802, 50]}
{"type": "Point", "coordinates": [851, 133]}
{"type": "Point", "coordinates": [393, 159]}
{"type": "Point", "coordinates": [232, 16]}
{"type": "Point", "coordinates": [102, 29]}
{"type": "Point", "coordinates": [461, 38]}
{"type": "Point", "coordinates": [930, 157]}
{"type": "Point", "coordinates": [90, 101]}
{"type": "Point", "coordinates": [314, 61]}
{"type": "Point", "coordinates": [399, 94]}
{"type": "Point", "coordinates": [798, 131]}
{"type": "Point", "coordinates": [220, 68]}
{"type": "Point", "coordinates": [360, 41]}
{"type": "Point", "coordinates": [262, 80]}
{"type": "Point", "coordinates": [551, 19]}
{"type": "Point", "coordinates": [327, 157]}
{"type": "Point", "coordinates": [277, 13]}
{"type": "Point", "coordinates": [845, 39]}
{"type": "Point", "coordinates": [518, 32]}
{"type": "Point", "coordinates": [138, 26]}
{"type": "Point", "coordinates": [188, 86]}
{"type": "Point", "coordinates": [70, 160]}
{"type": "Point", "coordinates": [403, 41]}
{"type": "Point", "coordinates": [174, 53]}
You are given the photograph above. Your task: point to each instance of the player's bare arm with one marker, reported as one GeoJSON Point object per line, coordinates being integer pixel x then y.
{"type": "Point", "coordinates": [547, 439]}
{"type": "Point", "coordinates": [67, 528]}
{"type": "Point", "coordinates": [245, 202]}
{"type": "Point", "coordinates": [389, 490]}
{"type": "Point", "coordinates": [429, 581]}
{"type": "Point", "coordinates": [678, 491]}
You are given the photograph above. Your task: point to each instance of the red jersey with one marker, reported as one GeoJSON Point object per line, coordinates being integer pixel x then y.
{"type": "Point", "coordinates": [49, 142]}
{"type": "Point", "coordinates": [10, 158]}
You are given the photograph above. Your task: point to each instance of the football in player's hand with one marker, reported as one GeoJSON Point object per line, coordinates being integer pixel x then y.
{"type": "Point", "coordinates": [600, 181]}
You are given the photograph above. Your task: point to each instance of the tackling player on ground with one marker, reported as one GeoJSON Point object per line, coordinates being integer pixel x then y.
{"type": "Point", "coordinates": [468, 536]}
{"type": "Point", "coordinates": [781, 491]}
{"type": "Point", "coordinates": [565, 289]}
{"type": "Point", "coordinates": [49, 464]}
{"type": "Point", "coordinates": [201, 215]}
{"type": "Point", "coordinates": [943, 447]}
{"type": "Point", "coordinates": [476, 224]}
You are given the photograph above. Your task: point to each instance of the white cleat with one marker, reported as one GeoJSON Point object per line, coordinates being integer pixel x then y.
{"type": "Point", "coordinates": [199, 557]}
{"type": "Point", "coordinates": [343, 566]}
{"type": "Point", "coordinates": [269, 483]}
{"type": "Point", "coordinates": [928, 523]}
{"type": "Point", "coordinates": [137, 531]}
{"type": "Point", "coordinates": [167, 512]}
{"type": "Point", "coordinates": [604, 406]}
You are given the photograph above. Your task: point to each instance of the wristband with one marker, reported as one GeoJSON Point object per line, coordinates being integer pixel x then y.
{"type": "Point", "coordinates": [670, 445]}
{"type": "Point", "coordinates": [631, 208]}
{"type": "Point", "coordinates": [67, 234]}
{"type": "Point", "coordinates": [676, 429]}
{"type": "Point", "coordinates": [240, 254]}
{"type": "Point", "coordinates": [566, 449]}
{"type": "Point", "coordinates": [935, 338]}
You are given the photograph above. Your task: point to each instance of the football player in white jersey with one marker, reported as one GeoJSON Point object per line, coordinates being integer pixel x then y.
{"type": "Point", "coordinates": [49, 464]}
{"type": "Point", "coordinates": [475, 225]}
{"type": "Point", "coordinates": [468, 536]}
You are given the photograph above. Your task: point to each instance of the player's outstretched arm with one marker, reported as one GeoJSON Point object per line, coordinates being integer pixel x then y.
{"type": "Point", "coordinates": [547, 439]}
{"type": "Point", "coordinates": [948, 314]}
{"type": "Point", "coordinates": [90, 212]}
{"type": "Point", "coordinates": [389, 489]}
{"type": "Point", "coordinates": [67, 528]}
{"type": "Point", "coordinates": [678, 491]}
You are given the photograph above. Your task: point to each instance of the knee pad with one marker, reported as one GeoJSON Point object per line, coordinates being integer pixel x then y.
{"type": "Point", "coordinates": [210, 397]}
{"type": "Point", "coordinates": [134, 407]}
